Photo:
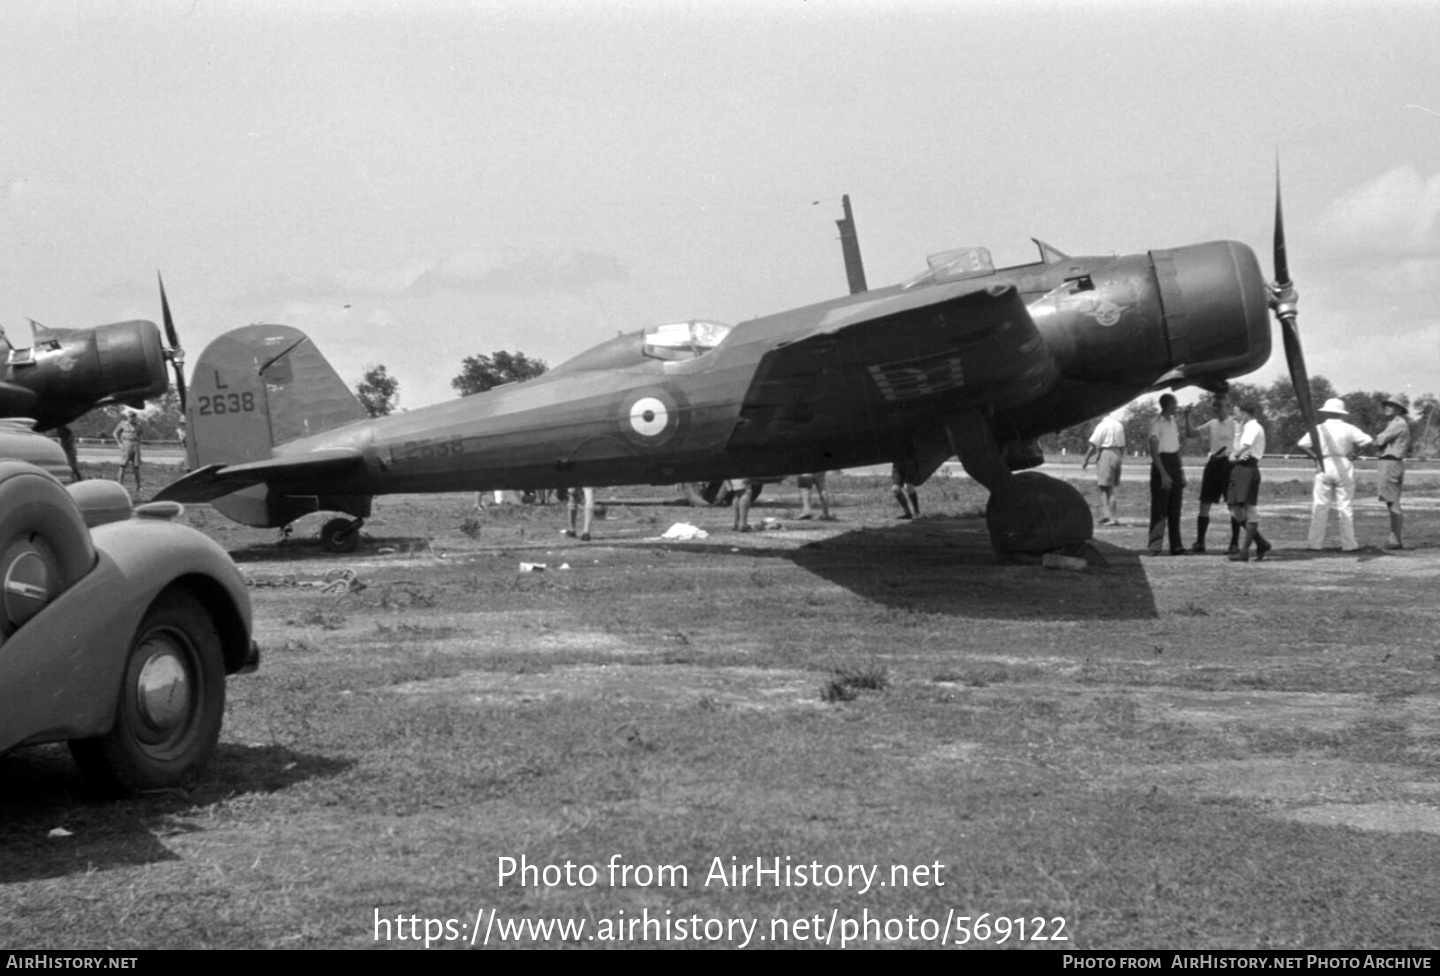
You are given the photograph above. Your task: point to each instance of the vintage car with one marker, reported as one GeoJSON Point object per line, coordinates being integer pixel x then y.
{"type": "Point", "coordinates": [118, 626]}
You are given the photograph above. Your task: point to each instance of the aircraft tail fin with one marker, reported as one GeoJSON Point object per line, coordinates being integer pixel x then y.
{"type": "Point", "coordinates": [260, 386]}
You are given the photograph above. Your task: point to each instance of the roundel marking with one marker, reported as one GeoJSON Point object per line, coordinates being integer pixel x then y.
{"type": "Point", "coordinates": [649, 416]}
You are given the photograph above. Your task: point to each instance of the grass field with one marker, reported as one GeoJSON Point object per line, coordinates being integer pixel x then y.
{"type": "Point", "coordinates": [1161, 752]}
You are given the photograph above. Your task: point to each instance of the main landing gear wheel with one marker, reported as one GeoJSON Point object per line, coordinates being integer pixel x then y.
{"type": "Point", "coordinates": [341, 535]}
{"type": "Point", "coordinates": [172, 701]}
{"type": "Point", "coordinates": [1036, 513]}
{"type": "Point", "coordinates": [703, 494]}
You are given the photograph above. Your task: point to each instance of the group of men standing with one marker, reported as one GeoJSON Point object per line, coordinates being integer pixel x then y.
{"type": "Point", "coordinates": [1340, 440]}
{"type": "Point", "coordinates": [1236, 442]}
{"type": "Point", "coordinates": [1232, 475]}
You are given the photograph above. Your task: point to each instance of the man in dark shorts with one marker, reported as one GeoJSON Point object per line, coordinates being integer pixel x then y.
{"type": "Point", "coordinates": [903, 475]}
{"type": "Point", "coordinates": [1221, 430]}
{"type": "Point", "coordinates": [1243, 494]}
{"type": "Point", "coordinates": [1393, 443]}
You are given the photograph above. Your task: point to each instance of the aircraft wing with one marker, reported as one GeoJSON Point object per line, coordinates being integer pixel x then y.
{"type": "Point", "coordinates": [914, 355]}
{"type": "Point", "coordinates": [217, 480]}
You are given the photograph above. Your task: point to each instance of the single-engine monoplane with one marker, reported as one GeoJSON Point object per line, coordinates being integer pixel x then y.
{"type": "Point", "coordinates": [963, 359]}
{"type": "Point", "coordinates": [66, 373]}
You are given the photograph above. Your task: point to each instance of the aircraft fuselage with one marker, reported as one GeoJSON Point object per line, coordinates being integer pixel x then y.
{"type": "Point", "coordinates": [1115, 326]}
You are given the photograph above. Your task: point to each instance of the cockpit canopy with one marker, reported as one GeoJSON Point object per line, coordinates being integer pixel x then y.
{"type": "Point", "coordinates": [956, 265]}
{"type": "Point", "coordinates": [679, 341]}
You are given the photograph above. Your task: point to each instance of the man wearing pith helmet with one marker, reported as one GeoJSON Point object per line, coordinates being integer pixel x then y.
{"type": "Point", "coordinates": [1393, 443]}
{"type": "Point", "coordinates": [1335, 481]}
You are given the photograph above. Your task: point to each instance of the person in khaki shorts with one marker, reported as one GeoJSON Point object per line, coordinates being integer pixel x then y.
{"type": "Point", "coordinates": [1107, 444]}
{"type": "Point", "coordinates": [580, 507]}
{"type": "Point", "coordinates": [127, 438]}
{"type": "Point", "coordinates": [1393, 443]}
{"type": "Point", "coordinates": [808, 483]}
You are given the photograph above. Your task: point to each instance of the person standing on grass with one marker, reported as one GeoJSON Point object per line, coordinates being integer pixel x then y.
{"type": "Point", "coordinates": [1335, 481]}
{"type": "Point", "coordinates": [1393, 443]}
{"type": "Point", "coordinates": [903, 475]}
{"type": "Point", "coordinates": [127, 438]}
{"type": "Point", "coordinates": [1243, 493]}
{"type": "Point", "coordinates": [580, 498]}
{"type": "Point", "coordinates": [1167, 479]}
{"type": "Point", "coordinates": [815, 483]}
{"type": "Point", "coordinates": [1221, 430]}
{"type": "Point", "coordinates": [1107, 446]}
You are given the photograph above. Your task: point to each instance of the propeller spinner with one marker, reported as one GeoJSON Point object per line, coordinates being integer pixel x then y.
{"type": "Point", "coordinates": [1284, 302]}
{"type": "Point", "coordinates": [173, 350]}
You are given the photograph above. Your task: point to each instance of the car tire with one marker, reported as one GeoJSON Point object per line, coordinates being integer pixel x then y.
{"type": "Point", "coordinates": [340, 535]}
{"type": "Point", "coordinates": [172, 702]}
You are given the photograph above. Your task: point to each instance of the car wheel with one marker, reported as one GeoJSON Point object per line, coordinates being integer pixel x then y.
{"type": "Point", "coordinates": [340, 535]}
{"type": "Point", "coordinates": [172, 701]}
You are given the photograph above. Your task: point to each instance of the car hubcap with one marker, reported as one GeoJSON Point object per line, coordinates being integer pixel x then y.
{"type": "Point", "coordinates": [163, 689]}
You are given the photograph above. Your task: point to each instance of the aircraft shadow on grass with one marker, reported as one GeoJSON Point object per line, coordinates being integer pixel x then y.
{"type": "Point", "coordinates": [946, 566]}
{"type": "Point", "coordinates": [310, 550]}
{"type": "Point", "coordinates": [44, 791]}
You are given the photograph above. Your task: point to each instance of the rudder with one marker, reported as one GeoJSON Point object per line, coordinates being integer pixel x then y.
{"type": "Point", "coordinates": [254, 388]}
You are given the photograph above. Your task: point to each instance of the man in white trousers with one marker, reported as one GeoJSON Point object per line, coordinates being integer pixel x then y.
{"type": "Point", "coordinates": [1335, 482]}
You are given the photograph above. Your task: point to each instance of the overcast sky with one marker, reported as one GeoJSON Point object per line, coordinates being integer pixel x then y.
{"type": "Point", "coordinates": [413, 183]}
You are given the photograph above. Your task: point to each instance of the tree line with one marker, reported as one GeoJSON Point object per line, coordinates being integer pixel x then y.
{"type": "Point", "coordinates": [379, 392]}
{"type": "Point", "coordinates": [1281, 418]}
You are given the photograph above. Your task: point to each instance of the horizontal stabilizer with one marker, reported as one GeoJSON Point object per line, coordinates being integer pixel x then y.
{"type": "Point", "coordinates": [217, 480]}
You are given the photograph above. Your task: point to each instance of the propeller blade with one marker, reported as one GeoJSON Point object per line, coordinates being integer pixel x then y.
{"type": "Point", "coordinates": [1282, 266]}
{"type": "Point", "coordinates": [180, 387]}
{"type": "Point", "coordinates": [171, 336]}
{"type": "Point", "coordinates": [175, 353]}
{"type": "Point", "coordinates": [1284, 299]}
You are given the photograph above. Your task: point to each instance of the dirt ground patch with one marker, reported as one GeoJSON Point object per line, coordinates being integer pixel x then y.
{"type": "Point", "coordinates": [1180, 752]}
{"type": "Point", "coordinates": [677, 685]}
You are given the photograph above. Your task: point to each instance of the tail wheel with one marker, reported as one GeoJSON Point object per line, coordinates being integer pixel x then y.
{"type": "Point", "coordinates": [340, 535]}
{"type": "Point", "coordinates": [172, 701]}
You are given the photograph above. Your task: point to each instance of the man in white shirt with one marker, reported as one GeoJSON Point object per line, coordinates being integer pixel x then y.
{"type": "Point", "coordinates": [1167, 479]}
{"type": "Point", "coordinates": [1244, 491]}
{"type": "Point", "coordinates": [1335, 481]}
{"type": "Point", "coordinates": [1108, 445]}
{"type": "Point", "coordinates": [1221, 430]}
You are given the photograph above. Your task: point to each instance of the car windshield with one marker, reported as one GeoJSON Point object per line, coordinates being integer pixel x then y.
{"type": "Point", "coordinates": [683, 340]}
